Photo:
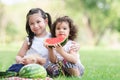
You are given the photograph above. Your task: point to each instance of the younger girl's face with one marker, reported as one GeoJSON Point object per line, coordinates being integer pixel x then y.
{"type": "Point", "coordinates": [62, 29]}
{"type": "Point", "coordinates": [37, 24]}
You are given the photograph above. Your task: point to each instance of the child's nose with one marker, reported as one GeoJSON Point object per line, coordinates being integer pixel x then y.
{"type": "Point", "coordinates": [35, 25]}
{"type": "Point", "coordinates": [61, 30]}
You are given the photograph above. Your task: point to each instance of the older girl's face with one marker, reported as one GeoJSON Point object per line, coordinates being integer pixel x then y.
{"type": "Point", "coordinates": [62, 29]}
{"type": "Point", "coordinates": [37, 24]}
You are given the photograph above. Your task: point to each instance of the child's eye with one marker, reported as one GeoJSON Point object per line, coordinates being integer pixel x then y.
{"type": "Point", "coordinates": [38, 21]}
{"type": "Point", "coordinates": [31, 23]}
{"type": "Point", "coordinates": [65, 28]}
{"type": "Point", "coordinates": [58, 28]}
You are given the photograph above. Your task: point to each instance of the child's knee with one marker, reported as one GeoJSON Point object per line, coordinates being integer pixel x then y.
{"type": "Point", "coordinates": [73, 72]}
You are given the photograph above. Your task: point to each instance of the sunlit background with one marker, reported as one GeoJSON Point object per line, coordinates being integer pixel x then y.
{"type": "Point", "coordinates": [98, 23]}
{"type": "Point", "coordinates": [97, 20]}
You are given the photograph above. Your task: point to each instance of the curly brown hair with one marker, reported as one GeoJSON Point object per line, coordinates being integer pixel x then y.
{"type": "Point", "coordinates": [73, 28]}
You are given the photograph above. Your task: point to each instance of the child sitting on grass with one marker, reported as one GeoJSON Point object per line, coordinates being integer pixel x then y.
{"type": "Point", "coordinates": [15, 68]}
{"type": "Point", "coordinates": [69, 59]}
{"type": "Point", "coordinates": [28, 59]}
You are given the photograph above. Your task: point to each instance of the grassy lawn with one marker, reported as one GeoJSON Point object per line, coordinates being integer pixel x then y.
{"type": "Point", "coordinates": [100, 63]}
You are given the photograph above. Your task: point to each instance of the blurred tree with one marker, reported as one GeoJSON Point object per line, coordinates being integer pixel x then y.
{"type": "Point", "coordinates": [11, 30]}
{"type": "Point", "coordinates": [2, 23]}
{"type": "Point", "coordinates": [94, 17]}
{"type": "Point", "coordinates": [98, 16]}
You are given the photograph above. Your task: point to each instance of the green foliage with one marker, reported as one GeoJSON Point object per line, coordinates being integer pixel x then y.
{"type": "Point", "coordinates": [102, 14]}
{"type": "Point", "coordinates": [11, 29]}
{"type": "Point", "coordinates": [117, 25]}
{"type": "Point", "coordinates": [89, 4]}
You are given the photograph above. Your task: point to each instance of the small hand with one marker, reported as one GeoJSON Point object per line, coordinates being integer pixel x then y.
{"type": "Point", "coordinates": [75, 47]}
{"type": "Point", "coordinates": [18, 59]}
{"type": "Point", "coordinates": [46, 45]}
{"type": "Point", "coordinates": [58, 48]}
{"type": "Point", "coordinates": [21, 62]}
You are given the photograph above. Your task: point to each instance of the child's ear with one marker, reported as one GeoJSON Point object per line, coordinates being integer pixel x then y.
{"type": "Point", "coordinates": [46, 20]}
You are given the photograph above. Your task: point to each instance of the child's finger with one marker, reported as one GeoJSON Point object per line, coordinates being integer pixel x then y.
{"type": "Point", "coordinates": [59, 45]}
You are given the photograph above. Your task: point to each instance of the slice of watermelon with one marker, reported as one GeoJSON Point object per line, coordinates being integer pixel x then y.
{"type": "Point", "coordinates": [58, 40]}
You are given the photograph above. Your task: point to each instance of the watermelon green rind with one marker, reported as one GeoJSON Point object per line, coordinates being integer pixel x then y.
{"type": "Point", "coordinates": [33, 71]}
{"type": "Point", "coordinates": [64, 42]}
{"type": "Point", "coordinates": [38, 75]}
{"type": "Point", "coordinates": [7, 74]}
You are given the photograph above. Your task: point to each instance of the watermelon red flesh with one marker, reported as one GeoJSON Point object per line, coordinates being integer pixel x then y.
{"type": "Point", "coordinates": [58, 40]}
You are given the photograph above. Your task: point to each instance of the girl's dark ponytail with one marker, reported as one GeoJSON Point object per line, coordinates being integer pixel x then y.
{"type": "Point", "coordinates": [49, 21]}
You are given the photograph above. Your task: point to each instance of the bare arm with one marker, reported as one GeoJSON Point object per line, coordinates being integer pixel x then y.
{"type": "Point", "coordinates": [75, 46]}
{"type": "Point", "coordinates": [72, 56]}
{"type": "Point", "coordinates": [52, 56]}
{"type": "Point", "coordinates": [22, 51]}
{"type": "Point", "coordinates": [41, 60]}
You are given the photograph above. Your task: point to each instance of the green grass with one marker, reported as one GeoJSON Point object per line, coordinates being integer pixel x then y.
{"type": "Point", "coordinates": [100, 63]}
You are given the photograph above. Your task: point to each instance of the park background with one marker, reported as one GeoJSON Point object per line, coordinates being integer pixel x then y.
{"type": "Point", "coordinates": [98, 23]}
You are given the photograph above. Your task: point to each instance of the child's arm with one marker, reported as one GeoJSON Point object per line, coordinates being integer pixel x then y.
{"type": "Point", "coordinates": [33, 58]}
{"type": "Point", "coordinates": [22, 51]}
{"type": "Point", "coordinates": [75, 46]}
{"type": "Point", "coordinates": [71, 56]}
{"type": "Point", "coordinates": [41, 60]}
{"type": "Point", "coordinates": [51, 54]}
{"type": "Point", "coordinates": [19, 59]}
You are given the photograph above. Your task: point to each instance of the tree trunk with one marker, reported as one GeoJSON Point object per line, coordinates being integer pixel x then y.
{"type": "Point", "coordinates": [88, 29]}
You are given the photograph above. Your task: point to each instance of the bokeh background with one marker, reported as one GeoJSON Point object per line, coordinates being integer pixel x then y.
{"type": "Point", "coordinates": [98, 23]}
{"type": "Point", "coordinates": [97, 20]}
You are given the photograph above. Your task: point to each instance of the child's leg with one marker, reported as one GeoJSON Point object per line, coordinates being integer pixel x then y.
{"type": "Point", "coordinates": [73, 69]}
{"type": "Point", "coordinates": [53, 70]}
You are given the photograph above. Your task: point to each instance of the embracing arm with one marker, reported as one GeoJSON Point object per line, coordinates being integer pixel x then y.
{"type": "Point", "coordinates": [75, 46]}
{"type": "Point", "coordinates": [71, 56]}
